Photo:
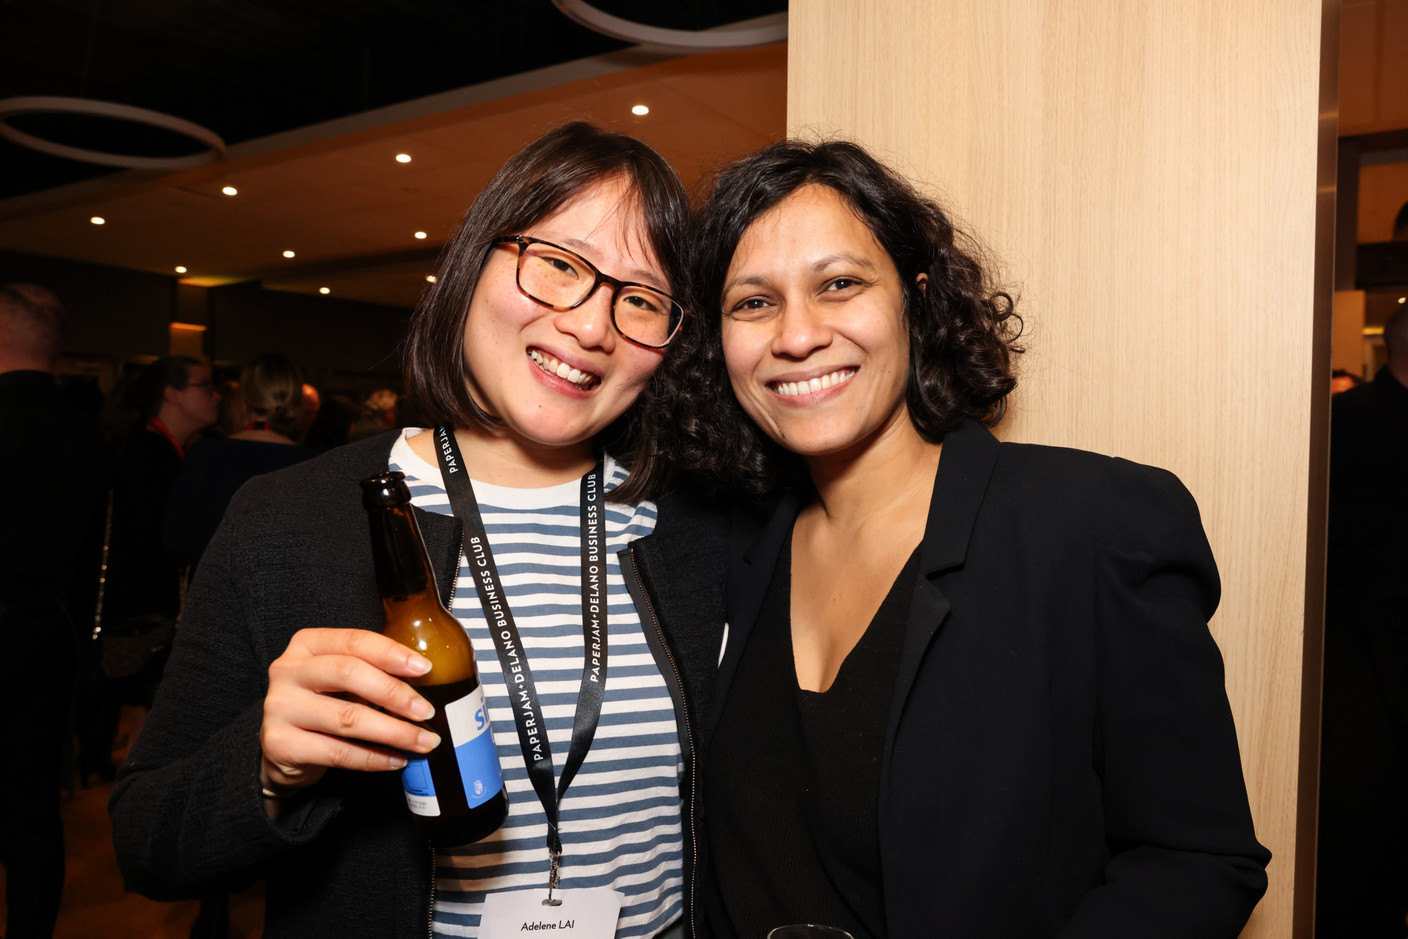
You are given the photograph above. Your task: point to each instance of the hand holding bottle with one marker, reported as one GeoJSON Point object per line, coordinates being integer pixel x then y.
{"type": "Point", "coordinates": [333, 701]}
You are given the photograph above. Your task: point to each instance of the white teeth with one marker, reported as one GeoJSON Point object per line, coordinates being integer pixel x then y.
{"type": "Point", "coordinates": [788, 389]}
{"type": "Point", "coordinates": [561, 369]}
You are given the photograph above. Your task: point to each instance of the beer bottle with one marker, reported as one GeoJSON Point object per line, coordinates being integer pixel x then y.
{"type": "Point", "coordinates": [456, 791]}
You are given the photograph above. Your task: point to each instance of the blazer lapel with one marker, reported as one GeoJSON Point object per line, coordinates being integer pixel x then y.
{"type": "Point", "coordinates": [752, 556]}
{"type": "Point", "coordinates": [965, 467]}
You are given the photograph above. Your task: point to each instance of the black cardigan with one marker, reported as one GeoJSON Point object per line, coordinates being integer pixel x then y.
{"type": "Point", "coordinates": [1060, 757]}
{"type": "Point", "coordinates": [344, 860]}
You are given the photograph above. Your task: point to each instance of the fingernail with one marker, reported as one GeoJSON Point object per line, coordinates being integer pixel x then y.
{"type": "Point", "coordinates": [398, 762]}
{"type": "Point", "coordinates": [422, 709]}
{"type": "Point", "coordinates": [419, 664]}
{"type": "Point", "coordinates": [427, 741]}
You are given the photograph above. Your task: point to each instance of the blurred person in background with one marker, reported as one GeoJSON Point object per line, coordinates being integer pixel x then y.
{"type": "Point", "coordinates": [1343, 380]}
{"type": "Point", "coordinates": [152, 417]}
{"type": "Point", "coordinates": [377, 414]}
{"type": "Point", "coordinates": [1362, 881]}
{"type": "Point", "coordinates": [232, 417]}
{"type": "Point", "coordinates": [308, 413]}
{"type": "Point", "coordinates": [332, 424]}
{"type": "Point", "coordinates": [271, 399]}
{"type": "Point", "coordinates": [44, 517]}
{"type": "Point", "coordinates": [382, 403]}
{"type": "Point", "coordinates": [369, 423]}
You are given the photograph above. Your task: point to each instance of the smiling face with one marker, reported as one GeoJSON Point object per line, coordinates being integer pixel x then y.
{"type": "Point", "coordinates": [557, 378]}
{"type": "Point", "coordinates": [813, 328]}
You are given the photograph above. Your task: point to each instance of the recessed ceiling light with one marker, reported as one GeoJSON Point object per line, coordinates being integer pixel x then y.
{"type": "Point", "coordinates": [230, 191]}
{"type": "Point", "coordinates": [288, 254]}
{"type": "Point", "coordinates": [403, 158]}
{"type": "Point", "coordinates": [430, 278]}
{"type": "Point", "coordinates": [324, 290]}
{"type": "Point", "coordinates": [98, 220]}
{"type": "Point", "coordinates": [420, 234]}
{"type": "Point", "coordinates": [1403, 299]}
{"type": "Point", "coordinates": [640, 110]}
{"type": "Point", "coordinates": [180, 268]}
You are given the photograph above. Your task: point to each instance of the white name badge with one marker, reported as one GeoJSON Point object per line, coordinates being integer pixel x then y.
{"type": "Point", "coordinates": [583, 914]}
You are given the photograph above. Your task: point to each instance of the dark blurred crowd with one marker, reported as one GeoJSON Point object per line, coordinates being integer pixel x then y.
{"type": "Point", "coordinates": [1362, 873]}
{"type": "Point", "coordinates": [118, 498]}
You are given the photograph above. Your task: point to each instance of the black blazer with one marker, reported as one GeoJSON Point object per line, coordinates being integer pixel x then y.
{"type": "Point", "coordinates": [1060, 758]}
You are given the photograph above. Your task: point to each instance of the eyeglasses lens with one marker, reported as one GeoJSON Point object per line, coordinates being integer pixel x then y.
{"type": "Point", "coordinates": [561, 280]}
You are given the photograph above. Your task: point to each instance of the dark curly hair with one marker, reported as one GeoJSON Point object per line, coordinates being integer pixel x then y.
{"type": "Point", "coordinates": [963, 329]}
{"type": "Point", "coordinates": [535, 182]}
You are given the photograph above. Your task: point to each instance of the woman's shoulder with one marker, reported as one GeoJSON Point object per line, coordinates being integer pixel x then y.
{"type": "Point", "coordinates": [1112, 500]}
{"type": "Point", "coordinates": [1078, 472]}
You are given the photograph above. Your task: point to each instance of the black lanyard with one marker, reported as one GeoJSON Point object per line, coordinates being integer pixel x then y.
{"type": "Point", "coordinates": [518, 677]}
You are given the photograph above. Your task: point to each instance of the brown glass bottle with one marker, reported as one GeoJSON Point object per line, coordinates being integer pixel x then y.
{"type": "Point", "coordinates": [456, 792]}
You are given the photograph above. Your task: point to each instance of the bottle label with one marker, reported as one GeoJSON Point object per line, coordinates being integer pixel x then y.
{"type": "Point", "coordinates": [420, 791]}
{"type": "Point", "coordinates": [475, 753]}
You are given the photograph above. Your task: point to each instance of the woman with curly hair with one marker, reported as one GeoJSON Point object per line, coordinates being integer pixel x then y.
{"type": "Point", "coordinates": [992, 703]}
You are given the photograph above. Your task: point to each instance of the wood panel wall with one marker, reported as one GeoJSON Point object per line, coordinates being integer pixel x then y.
{"type": "Point", "coordinates": [1148, 171]}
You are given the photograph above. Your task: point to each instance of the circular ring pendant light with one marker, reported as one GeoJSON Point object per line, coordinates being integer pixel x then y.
{"type": "Point", "coordinates": [689, 39]}
{"type": "Point", "coordinates": [10, 107]}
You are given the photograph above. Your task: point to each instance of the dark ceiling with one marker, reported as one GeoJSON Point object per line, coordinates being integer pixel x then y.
{"type": "Point", "coordinates": [250, 68]}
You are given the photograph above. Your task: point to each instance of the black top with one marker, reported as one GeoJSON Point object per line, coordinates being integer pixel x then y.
{"type": "Point", "coordinates": [53, 496]}
{"type": "Point", "coordinates": [1060, 758]}
{"type": "Point", "coordinates": [214, 470]}
{"type": "Point", "coordinates": [141, 578]}
{"type": "Point", "coordinates": [795, 774]}
{"type": "Point", "coordinates": [1362, 889]}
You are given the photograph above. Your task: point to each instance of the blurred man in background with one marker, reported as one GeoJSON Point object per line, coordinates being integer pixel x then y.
{"type": "Point", "coordinates": [48, 504]}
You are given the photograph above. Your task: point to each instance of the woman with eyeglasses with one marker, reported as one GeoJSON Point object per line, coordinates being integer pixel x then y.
{"type": "Point", "coordinates": [993, 704]}
{"type": "Point", "coordinates": [273, 747]}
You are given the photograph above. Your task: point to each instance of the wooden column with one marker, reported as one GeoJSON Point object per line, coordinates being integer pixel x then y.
{"type": "Point", "coordinates": [1158, 176]}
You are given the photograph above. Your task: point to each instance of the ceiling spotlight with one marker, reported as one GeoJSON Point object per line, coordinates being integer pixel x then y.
{"type": "Point", "coordinates": [420, 234]}
{"type": "Point", "coordinates": [403, 158]}
{"type": "Point", "coordinates": [640, 110]}
{"type": "Point", "coordinates": [324, 290]}
{"type": "Point", "coordinates": [230, 191]}
{"type": "Point", "coordinates": [1403, 299]}
{"type": "Point", "coordinates": [98, 220]}
{"type": "Point", "coordinates": [288, 254]}
{"type": "Point", "coordinates": [430, 278]}
{"type": "Point", "coordinates": [180, 268]}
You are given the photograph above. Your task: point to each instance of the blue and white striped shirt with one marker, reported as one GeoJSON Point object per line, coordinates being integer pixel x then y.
{"type": "Point", "coordinates": [620, 818]}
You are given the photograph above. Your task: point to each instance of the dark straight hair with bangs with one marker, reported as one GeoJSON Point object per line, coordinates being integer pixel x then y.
{"type": "Point", "coordinates": [535, 182]}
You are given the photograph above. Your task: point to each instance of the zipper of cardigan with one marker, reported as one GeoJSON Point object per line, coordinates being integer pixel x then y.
{"type": "Point", "coordinates": [434, 876]}
{"type": "Point", "coordinates": [634, 577]}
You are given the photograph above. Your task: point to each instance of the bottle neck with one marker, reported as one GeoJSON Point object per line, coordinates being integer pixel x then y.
{"type": "Point", "coordinates": [402, 566]}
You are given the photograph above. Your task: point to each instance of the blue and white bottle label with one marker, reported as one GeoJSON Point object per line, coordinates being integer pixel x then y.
{"type": "Point", "coordinates": [475, 752]}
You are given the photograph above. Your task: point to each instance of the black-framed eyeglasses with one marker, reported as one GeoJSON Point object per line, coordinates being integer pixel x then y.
{"type": "Point", "coordinates": [563, 280]}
